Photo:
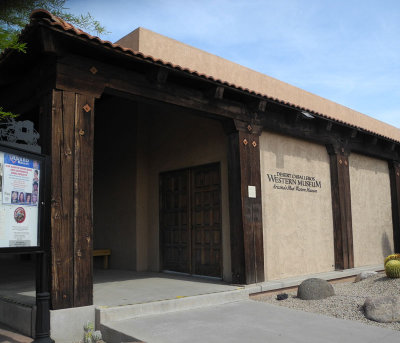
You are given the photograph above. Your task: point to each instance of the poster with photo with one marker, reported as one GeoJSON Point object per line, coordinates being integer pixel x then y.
{"type": "Point", "coordinates": [19, 194]}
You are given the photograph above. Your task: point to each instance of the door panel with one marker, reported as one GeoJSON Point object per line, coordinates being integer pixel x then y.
{"type": "Point", "coordinates": [206, 225]}
{"type": "Point", "coordinates": [174, 223]}
{"type": "Point", "coordinates": [190, 220]}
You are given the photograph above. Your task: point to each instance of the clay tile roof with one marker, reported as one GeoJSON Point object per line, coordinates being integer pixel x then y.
{"type": "Point", "coordinates": [347, 116]}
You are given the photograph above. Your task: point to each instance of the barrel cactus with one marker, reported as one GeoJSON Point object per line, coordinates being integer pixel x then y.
{"type": "Point", "coordinates": [392, 257]}
{"type": "Point", "coordinates": [392, 268]}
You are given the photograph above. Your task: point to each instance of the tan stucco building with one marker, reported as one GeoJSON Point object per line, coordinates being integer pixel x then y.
{"type": "Point", "coordinates": [178, 160]}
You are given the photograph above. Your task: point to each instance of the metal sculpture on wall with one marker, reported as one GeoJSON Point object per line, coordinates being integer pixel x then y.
{"type": "Point", "coordinates": [19, 134]}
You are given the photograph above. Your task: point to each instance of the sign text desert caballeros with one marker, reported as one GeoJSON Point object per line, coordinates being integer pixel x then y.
{"type": "Point", "coordinates": [294, 182]}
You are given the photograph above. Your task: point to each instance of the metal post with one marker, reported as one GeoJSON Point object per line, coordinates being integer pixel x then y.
{"type": "Point", "coordinates": [42, 301]}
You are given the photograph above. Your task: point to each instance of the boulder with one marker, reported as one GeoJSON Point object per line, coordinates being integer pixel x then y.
{"type": "Point", "coordinates": [383, 309]}
{"type": "Point", "coordinates": [314, 289]}
{"type": "Point", "coordinates": [365, 275]}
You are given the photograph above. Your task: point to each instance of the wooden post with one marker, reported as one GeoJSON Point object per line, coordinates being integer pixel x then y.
{"type": "Point", "coordinates": [245, 208]}
{"type": "Point", "coordinates": [69, 119]}
{"type": "Point", "coordinates": [341, 207]}
{"type": "Point", "coordinates": [394, 172]}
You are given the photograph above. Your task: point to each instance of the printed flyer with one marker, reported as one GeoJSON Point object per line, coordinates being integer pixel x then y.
{"type": "Point", "coordinates": [19, 194]}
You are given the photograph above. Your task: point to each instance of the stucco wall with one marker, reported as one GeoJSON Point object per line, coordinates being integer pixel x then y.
{"type": "Point", "coordinates": [114, 188]}
{"type": "Point", "coordinates": [297, 220]}
{"type": "Point", "coordinates": [177, 140]}
{"type": "Point", "coordinates": [371, 210]}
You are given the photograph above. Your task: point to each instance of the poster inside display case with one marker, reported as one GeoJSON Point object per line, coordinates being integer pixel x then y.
{"type": "Point", "coordinates": [20, 179]}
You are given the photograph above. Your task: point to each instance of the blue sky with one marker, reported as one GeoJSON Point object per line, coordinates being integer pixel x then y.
{"type": "Point", "coordinates": [347, 51]}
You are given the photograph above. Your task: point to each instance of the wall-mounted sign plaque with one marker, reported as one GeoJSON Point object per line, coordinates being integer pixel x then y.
{"type": "Point", "coordinates": [294, 182]}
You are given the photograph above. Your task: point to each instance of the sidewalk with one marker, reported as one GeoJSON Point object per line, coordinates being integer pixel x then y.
{"type": "Point", "coordinates": [251, 322]}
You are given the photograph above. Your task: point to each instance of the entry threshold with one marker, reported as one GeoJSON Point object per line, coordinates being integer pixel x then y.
{"type": "Point", "coordinates": [213, 278]}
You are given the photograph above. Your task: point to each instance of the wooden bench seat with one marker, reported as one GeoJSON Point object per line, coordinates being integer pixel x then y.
{"type": "Point", "coordinates": [105, 253]}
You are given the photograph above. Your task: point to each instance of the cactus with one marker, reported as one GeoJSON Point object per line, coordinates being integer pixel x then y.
{"type": "Point", "coordinates": [89, 335]}
{"type": "Point", "coordinates": [392, 257]}
{"type": "Point", "coordinates": [96, 336]}
{"type": "Point", "coordinates": [392, 268]}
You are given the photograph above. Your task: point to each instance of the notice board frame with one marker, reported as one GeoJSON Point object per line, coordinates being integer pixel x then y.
{"type": "Point", "coordinates": [41, 239]}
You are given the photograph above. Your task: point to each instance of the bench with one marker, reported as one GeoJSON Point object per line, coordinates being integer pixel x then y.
{"type": "Point", "coordinates": [105, 253]}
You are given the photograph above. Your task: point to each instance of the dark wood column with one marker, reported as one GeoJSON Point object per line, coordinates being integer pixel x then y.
{"type": "Point", "coordinates": [68, 120]}
{"type": "Point", "coordinates": [341, 207]}
{"type": "Point", "coordinates": [394, 172]}
{"type": "Point", "coordinates": [247, 252]}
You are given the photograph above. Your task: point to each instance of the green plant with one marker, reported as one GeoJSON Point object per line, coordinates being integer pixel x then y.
{"type": "Point", "coordinates": [392, 257]}
{"type": "Point", "coordinates": [91, 336]}
{"type": "Point", "coordinates": [392, 268]}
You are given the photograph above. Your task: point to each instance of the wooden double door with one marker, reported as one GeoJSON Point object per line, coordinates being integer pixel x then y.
{"type": "Point", "coordinates": [190, 220]}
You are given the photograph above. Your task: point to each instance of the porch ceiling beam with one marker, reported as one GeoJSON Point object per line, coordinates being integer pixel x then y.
{"type": "Point", "coordinates": [73, 74]}
{"type": "Point", "coordinates": [314, 130]}
{"type": "Point", "coordinates": [162, 75]}
{"type": "Point", "coordinates": [262, 105]}
{"type": "Point", "coordinates": [159, 75]}
{"type": "Point", "coordinates": [219, 92]}
{"type": "Point", "coordinates": [92, 77]}
{"type": "Point", "coordinates": [216, 92]}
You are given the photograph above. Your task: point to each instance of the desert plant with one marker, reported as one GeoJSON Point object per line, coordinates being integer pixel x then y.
{"type": "Point", "coordinates": [392, 268]}
{"type": "Point", "coordinates": [392, 257]}
{"type": "Point", "coordinates": [91, 336]}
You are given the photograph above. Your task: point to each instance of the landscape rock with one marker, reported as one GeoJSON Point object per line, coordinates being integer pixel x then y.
{"type": "Point", "coordinates": [282, 296]}
{"type": "Point", "coordinates": [383, 309]}
{"type": "Point", "coordinates": [314, 289]}
{"type": "Point", "coordinates": [365, 275]}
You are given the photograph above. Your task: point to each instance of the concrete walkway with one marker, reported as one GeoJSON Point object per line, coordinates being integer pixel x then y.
{"type": "Point", "coordinates": [247, 321]}
{"type": "Point", "coordinates": [123, 287]}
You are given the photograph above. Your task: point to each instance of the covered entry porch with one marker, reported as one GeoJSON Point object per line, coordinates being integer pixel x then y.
{"type": "Point", "coordinates": [160, 188]}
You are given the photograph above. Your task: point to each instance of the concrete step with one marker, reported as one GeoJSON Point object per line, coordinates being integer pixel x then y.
{"type": "Point", "coordinates": [111, 314]}
{"type": "Point", "coordinates": [107, 316]}
{"type": "Point", "coordinates": [18, 316]}
{"type": "Point", "coordinates": [111, 335]}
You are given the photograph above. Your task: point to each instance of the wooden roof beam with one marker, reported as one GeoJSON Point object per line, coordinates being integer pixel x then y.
{"type": "Point", "coordinates": [216, 92]}
{"type": "Point", "coordinates": [73, 73]}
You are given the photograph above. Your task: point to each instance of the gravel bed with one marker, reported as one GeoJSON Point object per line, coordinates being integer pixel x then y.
{"type": "Point", "coordinates": [348, 301]}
